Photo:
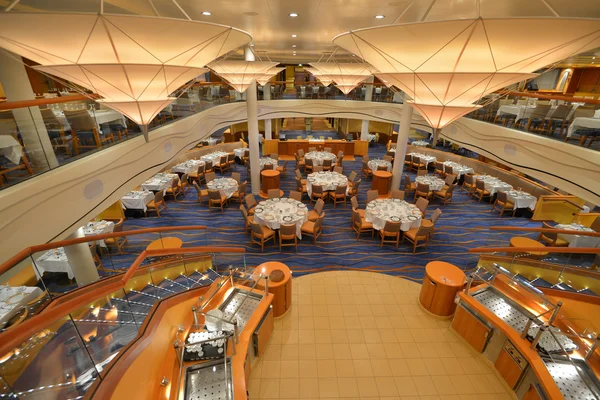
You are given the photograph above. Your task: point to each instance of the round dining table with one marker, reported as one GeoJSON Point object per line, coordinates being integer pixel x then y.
{"type": "Point", "coordinates": [380, 211]}
{"type": "Point", "coordinates": [281, 211]}
{"type": "Point", "coordinates": [268, 160]}
{"type": "Point", "coordinates": [227, 186]}
{"type": "Point", "coordinates": [434, 182]}
{"type": "Point", "coordinates": [318, 156]}
{"type": "Point", "coordinates": [375, 163]}
{"type": "Point", "coordinates": [328, 180]}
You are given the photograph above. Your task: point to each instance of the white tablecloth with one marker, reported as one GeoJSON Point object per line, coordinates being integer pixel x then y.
{"type": "Point", "coordinates": [268, 160]}
{"type": "Point", "coordinates": [421, 143]}
{"type": "Point", "coordinates": [394, 210]}
{"type": "Point", "coordinates": [319, 156]}
{"type": "Point", "coordinates": [521, 200]}
{"type": "Point", "coordinates": [371, 137]}
{"type": "Point", "coordinates": [227, 186]}
{"type": "Point", "coordinates": [493, 184]}
{"type": "Point", "coordinates": [577, 240]}
{"type": "Point", "coordinates": [137, 200]}
{"type": "Point", "coordinates": [215, 157]}
{"type": "Point", "coordinates": [14, 298]}
{"type": "Point", "coordinates": [424, 158]}
{"type": "Point", "coordinates": [459, 169]}
{"type": "Point", "coordinates": [434, 182]}
{"type": "Point", "coordinates": [329, 181]}
{"type": "Point", "coordinates": [239, 152]}
{"type": "Point", "coordinates": [583, 122]}
{"type": "Point", "coordinates": [524, 112]}
{"type": "Point", "coordinates": [101, 117]}
{"type": "Point", "coordinates": [160, 181]}
{"type": "Point", "coordinates": [373, 164]}
{"type": "Point", "coordinates": [276, 212]}
{"type": "Point", "coordinates": [11, 149]}
{"type": "Point", "coordinates": [98, 228]}
{"type": "Point", "coordinates": [187, 167]}
{"type": "Point", "coordinates": [54, 260]}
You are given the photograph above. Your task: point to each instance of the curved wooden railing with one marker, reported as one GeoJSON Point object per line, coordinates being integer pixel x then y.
{"type": "Point", "coordinates": [564, 250]}
{"type": "Point", "coordinates": [544, 230]}
{"type": "Point", "coordinates": [542, 96]}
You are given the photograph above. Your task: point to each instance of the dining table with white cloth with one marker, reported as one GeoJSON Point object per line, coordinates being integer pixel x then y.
{"type": "Point", "coordinates": [98, 228]}
{"type": "Point", "coordinates": [11, 149]}
{"type": "Point", "coordinates": [281, 211]}
{"type": "Point", "coordinates": [317, 157]}
{"type": "Point", "coordinates": [434, 182]}
{"type": "Point", "coordinates": [14, 298]}
{"type": "Point", "coordinates": [376, 162]}
{"type": "Point", "coordinates": [578, 240]}
{"type": "Point", "coordinates": [137, 200]}
{"type": "Point", "coordinates": [187, 167]}
{"type": "Point", "coordinates": [427, 159]}
{"type": "Point", "coordinates": [521, 199]}
{"type": "Point", "coordinates": [239, 152]}
{"type": "Point", "coordinates": [525, 111]}
{"type": "Point", "coordinates": [268, 160]}
{"type": "Point", "coordinates": [100, 116]}
{"type": "Point", "coordinates": [215, 157]}
{"type": "Point", "coordinates": [380, 211]}
{"type": "Point", "coordinates": [420, 143]}
{"type": "Point", "coordinates": [585, 123]}
{"type": "Point", "coordinates": [226, 186]}
{"type": "Point", "coordinates": [327, 179]}
{"type": "Point", "coordinates": [161, 181]}
{"type": "Point", "coordinates": [459, 169]}
{"type": "Point", "coordinates": [54, 260]}
{"type": "Point", "coordinates": [493, 184]}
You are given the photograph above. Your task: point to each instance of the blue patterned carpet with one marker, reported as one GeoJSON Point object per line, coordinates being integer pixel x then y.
{"type": "Point", "coordinates": [463, 225]}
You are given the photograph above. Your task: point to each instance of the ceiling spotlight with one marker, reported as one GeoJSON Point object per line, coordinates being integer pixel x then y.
{"type": "Point", "coordinates": [206, 13]}
{"type": "Point", "coordinates": [293, 15]}
{"type": "Point", "coordinates": [293, 45]}
{"type": "Point", "coordinates": [379, 16]}
{"type": "Point", "coordinates": [299, 65]}
{"type": "Point", "coordinates": [251, 44]}
{"type": "Point", "coordinates": [294, 35]}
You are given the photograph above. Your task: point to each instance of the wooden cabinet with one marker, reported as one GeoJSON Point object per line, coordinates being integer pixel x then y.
{"type": "Point", "coordinates": [263, 332]}
{"type": "Point", "coordinates": [291, 147]}
{"type": "Point", "coordinates": [534, 393]}
{"type": "Point", "coordinates": [474, 331]}
{"type": "Point", "coordinates": [427, 293]}
{"type": "Point", "coordinates": [508, 368]}
{"type": "Point", "coordinates": [281, 289]}
{"type": "Point", "coordinates": [442, 282]}
{"type": "Point", "coordinates": [381, 182]}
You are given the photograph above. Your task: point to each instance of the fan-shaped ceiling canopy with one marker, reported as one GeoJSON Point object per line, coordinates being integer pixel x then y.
{"type": "Point", "coordinates": [448, 65]}
{"type": "Point", "coordinates": [324, 79]}
{"type": "Point", "coordinates": [346, 76]}
{"type": "Point", "coordinates": [135, 63]}
{"type": "Point", "coordinates": [266, 77]}
{"type": "Point", "coordinates": [239, 74]}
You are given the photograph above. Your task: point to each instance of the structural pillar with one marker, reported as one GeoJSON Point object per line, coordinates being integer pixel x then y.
{"type": "Point", "coordinates": [81, 260]}
{"type": "Point", "coordinates": [403, 132]}
{"type": "Point", "coordinates": [17, 87]}
{"type": "Point", "coordinates": [253, 139]}
{"type": "Point", "coordinates": [364, 130]}
{"type": "Point", "coordinates": [268, 125]}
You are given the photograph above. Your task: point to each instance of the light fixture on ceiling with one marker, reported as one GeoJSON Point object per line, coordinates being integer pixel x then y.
{"type": "Point", "coordinates": [293, 45]}
{"type": "Point", "coordinates": [293, 15]}
{"type": "Point", "coordinates": [346, 76]}
{"type": "Point", "coordinates": [379, 16]}
{"type": "Point", "coordinates": [239, 74]}
{"type": "Point", "coordinates": [206, 13]}
{"type": "Point", "coordinates": [299, 65]}
{"type": "Point", "coordinates": [294, 35]}
{"type": "Point", "coordinates": [251, 44]}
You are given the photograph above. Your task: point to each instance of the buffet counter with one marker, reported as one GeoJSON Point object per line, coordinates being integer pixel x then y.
{"type": "Point", "coordinates": [291, 147]}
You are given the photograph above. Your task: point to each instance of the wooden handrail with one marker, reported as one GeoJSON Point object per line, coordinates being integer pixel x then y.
{"type": "Point", "coordinates": [13, 337]}
{"type": "Point", "coordinates": [561, 198]}
{"type": "Point", "coordinates": [565, 250]}
{"type": "Point", "coordinates": [544, 230]}
{"type": "Point", "coordinates": [9, 105]}
{"type": "Point", "coordinates": [11, 262]}
{"type": "Point", "coordinates": [554, 97]}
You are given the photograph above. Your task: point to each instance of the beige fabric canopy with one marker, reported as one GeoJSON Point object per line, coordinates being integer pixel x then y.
{"type": "Point", "coordinates": [239, 74]}
{"type": "Point", "coordinates": [346, 76]}
{"type": "Point", "coordinates": [266, 77]}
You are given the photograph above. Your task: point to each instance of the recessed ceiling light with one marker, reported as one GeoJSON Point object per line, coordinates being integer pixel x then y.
{"type": "Point", "coordinates": [379, 16]}
{"type": "Point", "coordinates": [206, 13]}
{"type": "Point", "coordinates": [294, 35]}
{"type": "Point", "coordinates": [293, 45]}
{"type": "Point", "coordinates": [251, 44]}
{"type": "Point", "coordinates": [293, 15]}
{"type": "Point", "coordinates": [299, 65]}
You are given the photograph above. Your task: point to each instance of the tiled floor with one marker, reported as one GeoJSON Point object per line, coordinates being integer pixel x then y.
{"type": "Point", "coordinates": [362, 335]}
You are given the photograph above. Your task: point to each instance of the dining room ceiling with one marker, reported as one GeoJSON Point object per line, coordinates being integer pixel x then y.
{"type": "Point", "coordinates": [317, 21]}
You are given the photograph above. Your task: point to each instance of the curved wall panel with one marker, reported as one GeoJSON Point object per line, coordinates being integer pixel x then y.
{"type": "Point", "coordinates": [571, 168]}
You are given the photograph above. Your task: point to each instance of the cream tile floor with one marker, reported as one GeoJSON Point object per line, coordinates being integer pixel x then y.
{"type": "Point", "coordinates": [361, 335]}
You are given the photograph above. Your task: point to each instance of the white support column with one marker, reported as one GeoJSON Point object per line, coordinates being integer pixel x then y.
{"type": "Point", "coordinates": [403, 132]}
{"type": "Point", "coordinates": [253, 140]}
{"type": "Point", "coordinates": [364, 130]}
{"type": "Point", "coordinates": [268, 125]}
{"type": "Point", "coordinates": [81, 260]}
{"type": "Point", "coordinates": [17, 87]}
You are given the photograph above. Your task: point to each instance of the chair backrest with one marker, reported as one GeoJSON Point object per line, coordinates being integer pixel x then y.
{"type": "Point", "coordinates": [422, 172]}
{"type": "Point", "coordinates": [250, 200]}
{"type": "Point", "coordinates": [210, 176]}
{"type": "Point", "coordinates": [301, 152]}
{"type": "Point", "coordinates": [451, 170]}
{"type": "Point", "coordinates": [299, 186]}
{"type": "Point", "coordinates": [439, 166]}
{"type": "Point", "coordinates": [372, 195]}
{"type": "Point", "coordinates": [561, 112]}
{"type": "Point", "coordinates": [268, 166]}
{"type": "Point", "coordinates": [318, 168]}
{"type": "Point", "coordinates": [436, 215]}
{"type": "Point", "coordinates": [246, 152]}
{"type": "Point", "coordinates": [274, 156]}
{"type": "Point", "coordinates": [318, 189]}
{"type": "Point", "coordinates": [50, 118]}
{"type": "Point", "coordinates": [175, 183]}
{"type": "Point", "coordinates": [584, 112]}
{"type": "Point", "coordinates": [298, 174]}
{"type": "Point", "coordinates": [223, 160]}
{"type": "Point", "coordinates": [450, 179]}
{"type": "Point", "coordinates": [310, 149]}
{"type": "Point", "coordinates": [540, 111]}
{"type": "Point", "coordinates": [244, 212]}
{"type": "Point", "coordinates": [294, 194]}
{"type": "Point", "coordinates": [388, 158]}
{"type": "Point", "coordinates": [201, 169]}
{"type": "Point", "coordinates": [354, 202]}
{"type": "Point", "coordinates": [338, 169]}
{"type": "Point", "coordinates": [158, 197]}
{"type": "Point", "coordinates": [422, 187]}
{"type": "Point", "coordinates": [502, 197]}
{"type": "Point", "coordinates": [451, 189]}
{"type": "Point", "coordinates": [352, 176]}
{"type": "Point", "coordinates": [341, 189]}
{"type": "Point", "coordinates": [469, 179]}
{"type": "Point", "coordinates": [319, 206]}
{"type": "Point", "coordinates": [287, 230]}
{"type": "Point", "coordinates": [406, 180]}
{"type": "Point", "coordinates": [256, 229]}
{"type": "Point", "coordinates": [319, 223]}
{"type": "Point", "coordinates": [285, 163]}
{"type": "Point", "coordinates": [274, 193]}
{"type": "Point", "coordinates": [327, 163]}
{"type": "Point", "coordinates": [596, 224]}
{"type": "Point", "coordinates": [119, 226]}
{"type": "Point", "coordinates": [549, 235]}
{"type": "Point", "coordinates": [309, 162]}
{"type": "Point", "coordinates": [185, 178]}
{"type": "Point", "coordinates": [340, 154]}
{"type": "Point", "coordinates": [397, 194]}
{"type": "Point", "coordinates": [197, 188]}
{"type": "Point", "coordinates": [230, 157]}
{"type": "Point", "coordinates": [479, 184]}
{"type": "Point", "coordinates": [422, 204]}
{"type": "Point", "coordinates": [356, 219]}
{"type": "Point", "coordinates": [80, 120]}
{"type": "Point", "coordinates": [214, 194]}
{"type": "Point", "coordinates": [237, 176]}
{"type": "Point", "coordinates": [391, 227]}
{"type": "Point", "coordinates": [408, 158]}
{"type": "Point", "coordinates": [423, 232]}
{"type": "Point", "coordinates": [208, 165]}
{"type": "Point", "coordinates": [381, 168]}
{"type": "Point", "coordinates": [356, 185]}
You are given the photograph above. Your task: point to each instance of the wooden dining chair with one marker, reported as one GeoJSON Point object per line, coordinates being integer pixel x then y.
{"type": "Point", "coordinates": [382, 168]}
{"type": "Point", "coordinates": [366, 170]}
{"type": "Point", "coordinates": [359, 225]}
{"type": "Point", "coordinates": [430, 223]}
{"type": "Point", "coordinates": [419, 237]}
{"type": "Point", "coordinates": [372, 194]}
{"type": "Point", "coordinates": [352, 178]}
{"type": "Point", "coordinates": [503, 204]}
{"type": "Point", "coordinates": [339, 195]}
{"type": "Point", "coordinates": [421, 172]}
{"type": "Point", "coordinates": [231, 161]}
{"type": "Point", "coordinates": [445, 194]}
{"type": "Point", "coordinates": [397, 194]}
{"type": "Point", "coordinates": [408, 161]}
{"type": "Point", "coordinates": [208, 167]}
{"type": "Point", "coordinates": [248, 219]}
{"type": "Point", "coordinates": [240, 193]}
{"type": "Point", "coordinates": [202, 193]}
{"type": "Point", "coordinates": [338, 169]}
{"type": "Point", "coordinates": [299, 162]}
{"type": "Point", "coordinates": [301, 187]}
{"type": "Point", "coordinates": [96, 257]}
{"type": "Point", "coordinates": [184, 182]}
{"type": "Point", "coordinates": [157, 204]}
{"type": "Point", "coordinates": [210, 176]}
{"type": "Point", "coordinates": [409, 187]}
{"type": "Point", "coordinates": [174, 190]}
{"type": "Point", "coordinates": [198, 176]}
{"type": "Point", "coordinates": [422, 204]}
{"type": "Point", "coordinates": [468, 184]}
{"type": "Point", "coordinates": [354, 203]}
{"type": "Point", "coordinates": [296, 195]}
{"type": "Point", "coordinates": [84, 131]}
{"type": "Point", "coordinates": [250, 203]}
{"type": "Point", "coordinates": [317, 211]}
{"type": "Point", "coordinates": [216, 199]}
{"type": "Point", "coordinates": [288, 233]}
{"type": "Point", "coordinates": [551, 239]}
{"type": "Point", "coordinates": [274, 193]}
{"type": "Point", "coordinates": [222, 165]}
{"type": "Point", "coordinates": [274, 156]}
{"type": "Point", "coordinates": [308, 165]}
{"type": "Point", "coordinates": [300, 153]}
{"type": "Point", "coordinates": [283, 169]}
{"type": "Point", "coordinates": [327, 149]}
{"type": "Point", "coordinates": [317, 193]}
{"type": "Point", "coordinates": [313, 228]}
{"type": "Point", "coordinates": [237, 177]}
{"type": "Point", "coordinates": [481, 191]}
{"type": "Point", "coordinates": [355, 188]}
{"type": "Point", "coordinates": [449, 180]}
{"type": "Point", "coordinates": [327, 165]}
{"type": "Point", "coordinates": [268, 167]}
{"type": "Point", "coordinates": [390, 230]}
{"type": "Point", "coordinates": [439, 169]}
{"type": "Point", "coordinates": [261, 234]}
{"type": "Point", "coordinates": [423, 191]}
{"type": "Point", "coordinates": [299, 176]}
{"type": "Point", "coordinates": [311, 149]}
{"type": "Point", "coordinates": [118, 241]}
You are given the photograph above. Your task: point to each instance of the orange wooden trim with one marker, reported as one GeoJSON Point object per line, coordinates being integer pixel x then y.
{"type": "Point", "coordinates": [566, 250]}
{"type": "Point", "coordinates": [199, 249]}
{"type": "Point", "coordinates": [561, 198]}
{"type": "Point", "coordinates": [545, 230]}
{"type": "Point", "coordinates": [134, 266]}
{"type": "Point", "coordinates": [554, 97]}
{"type": "Point", "coordinates": [8, 105]}
{"type": "Point", "coordinates": [585, 298]}
{"type": "Point", "coordinates": [544, 377]}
